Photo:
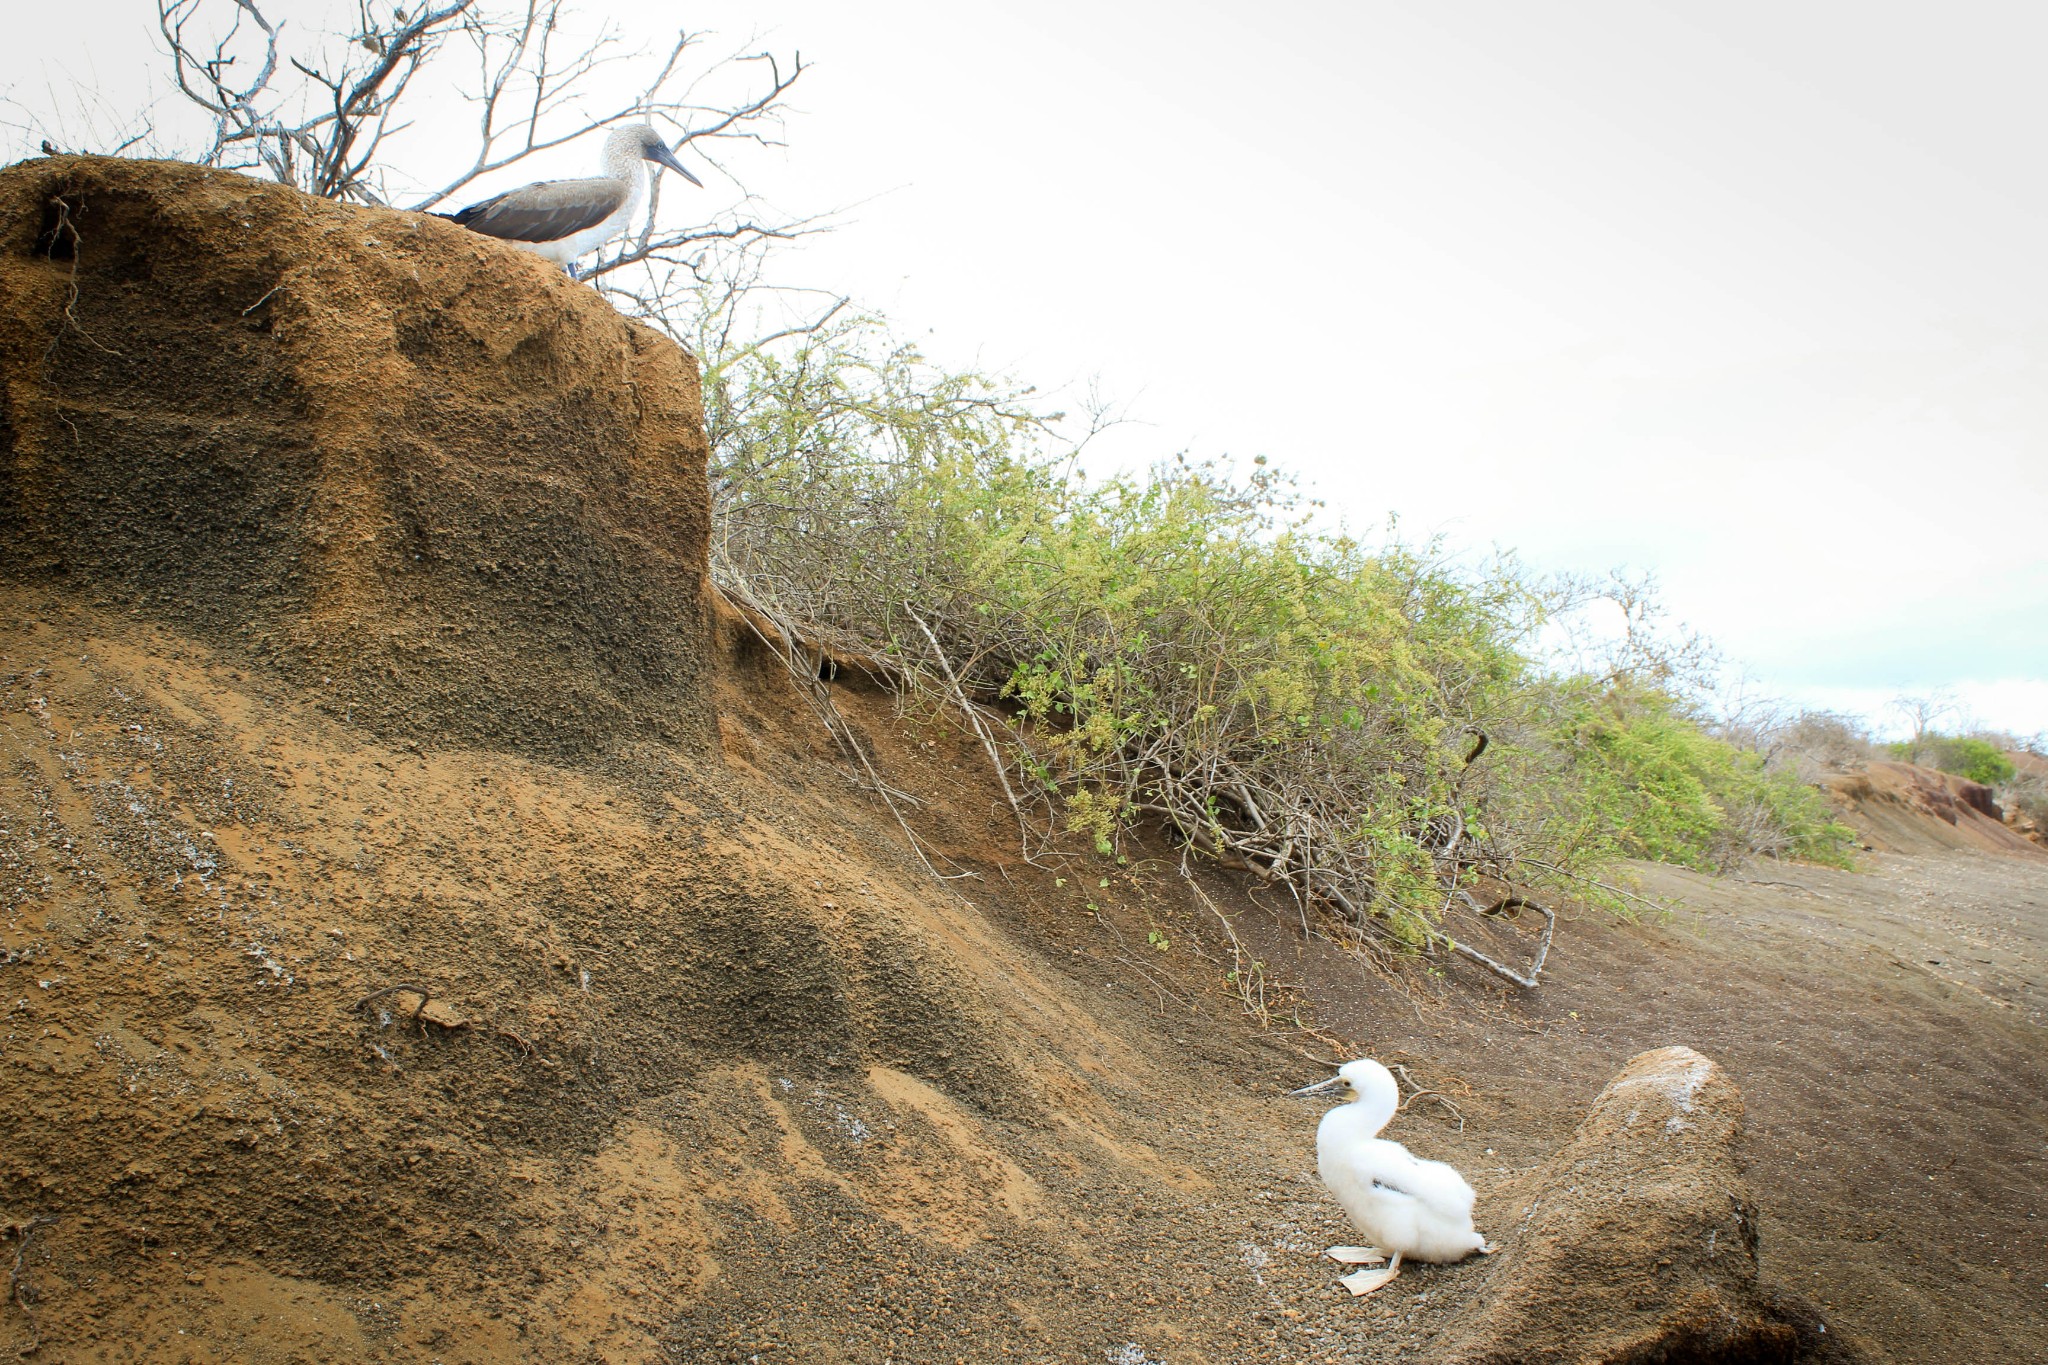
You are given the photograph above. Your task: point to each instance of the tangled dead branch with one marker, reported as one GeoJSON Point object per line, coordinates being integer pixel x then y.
{"type": "Point", "coordinates": [326, 144]}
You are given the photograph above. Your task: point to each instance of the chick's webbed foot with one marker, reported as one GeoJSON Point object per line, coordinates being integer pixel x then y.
{"type": "Point", "coordinates": [1364, 1282]}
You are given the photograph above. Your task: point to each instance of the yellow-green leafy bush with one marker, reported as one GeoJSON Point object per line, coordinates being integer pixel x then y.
{"type": "Point", "coordinates": [1183, 647]}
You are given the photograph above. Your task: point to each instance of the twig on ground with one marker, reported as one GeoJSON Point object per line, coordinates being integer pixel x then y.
{"type": "Point", "coordinates": [19, 1292]}
{"type": "Point", "coordinates": [1419, 1093]}
{"type": "Point", "coordinates": [1790, 886]}
{"type": "Point", "coordinates": [1159, 988]}
{"type": "Point", "coordinates": [420, 991]}
{"type": "Point", "coordinates": [1247, 973]}
{"type": "Point", "coordinates": [828, 715]}
{"type": "Point", "coordinates": [988, 742]}
{"type": "Point", "coordinates": [1542, 940]}
{"type": "Point", "coordinates": [527, 1049]}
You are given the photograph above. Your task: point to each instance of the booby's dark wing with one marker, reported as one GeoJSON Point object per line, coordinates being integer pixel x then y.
{"type": "Point", "coordinates": [544, 212]}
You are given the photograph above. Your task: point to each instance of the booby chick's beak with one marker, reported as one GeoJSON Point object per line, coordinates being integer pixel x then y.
{"type": "Point", "coordinates": [1319, 1088]}
{"type": "Point", "coordinates": [659, 152]}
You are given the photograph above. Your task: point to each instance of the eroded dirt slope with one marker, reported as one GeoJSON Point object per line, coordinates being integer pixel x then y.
{"type": "Point", "coordinates": [724, 1067]}
{"type": "Point", "coordinates": [1898, 807]}
{"type": "Point", "coordinates": [731, 1071]}
{"type": "Point", "coordinates": [392, 932]}
{"type": "Point", "coordinates": [450, 494]}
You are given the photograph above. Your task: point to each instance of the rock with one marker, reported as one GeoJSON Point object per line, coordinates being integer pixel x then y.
{"type": "Point", "coordinates": [1638, 1243]}
{"type": "Point", "coordinates": [436, 1011]}
{"type": "Point", "coordinates": [1979, 798]}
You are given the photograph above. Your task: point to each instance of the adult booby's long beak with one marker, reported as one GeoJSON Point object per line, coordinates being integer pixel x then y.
{"type": "Point", "coordinates": [660, 152]}
{"type": "Point", "coordinates": [1318, 1088]}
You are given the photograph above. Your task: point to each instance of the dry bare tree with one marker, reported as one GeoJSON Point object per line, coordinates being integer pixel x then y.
{"type": "Point", "coordinates": [325, 145]}
{"type": "Point", "coordinates": [1648, 650]}
{"type": "Point", "coordinates": [1922, 712]}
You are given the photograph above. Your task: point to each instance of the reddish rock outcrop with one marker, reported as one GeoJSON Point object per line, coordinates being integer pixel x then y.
{"type": "Point", "coordinates": [1898, 807]}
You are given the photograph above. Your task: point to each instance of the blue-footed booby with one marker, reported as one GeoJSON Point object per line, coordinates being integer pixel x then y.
{"type": "Point", "coordinates": [564, 219]}
{"type": "Point", "coordinates": [1414, 1209]}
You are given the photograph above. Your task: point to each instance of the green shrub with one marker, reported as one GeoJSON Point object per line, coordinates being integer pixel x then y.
{"type": "Point", "coordinates": [1676, 793]}
{"type": "Point", "coordinates": [1978, 760]}
{"type": "Point", "coordinates": [1182, 646]}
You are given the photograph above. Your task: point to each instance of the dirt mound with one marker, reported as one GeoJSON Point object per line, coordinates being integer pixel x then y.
{"type": "Point", "coordinates": [435, 483]}
{"type": "Point", "coordinates": [1639, 1240]}
{"type": "Point", "coordinates": [1908, 809]}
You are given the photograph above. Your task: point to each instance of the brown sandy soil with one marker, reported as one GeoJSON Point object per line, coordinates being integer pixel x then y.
{"type": "Point", "coordinates": [703, 1154]}
{"type": "Point", "coordinates": [430, 931]}
{"type": "Point", "coordinates": [1886, 1028]}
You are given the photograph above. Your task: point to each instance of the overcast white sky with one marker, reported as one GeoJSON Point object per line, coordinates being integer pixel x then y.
{"type": "Point", "coordinates": [1752, 295]}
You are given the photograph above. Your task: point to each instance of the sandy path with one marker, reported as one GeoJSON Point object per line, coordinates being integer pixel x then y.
{"type": "Point", "coordinates": [1887, 1029]}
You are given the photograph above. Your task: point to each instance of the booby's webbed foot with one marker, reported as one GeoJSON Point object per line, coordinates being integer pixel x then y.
{"type": "Point", "coordinates": [1363, 1282]}
{"type": "Point", "coordinates": [1356, 1255]}
{"type": "Point", "coordinates": [1487, 1248]}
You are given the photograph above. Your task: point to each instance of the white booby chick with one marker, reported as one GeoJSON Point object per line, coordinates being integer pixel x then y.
{"type": "Point", "coordinates": [564, 219]}
{"type": "Point", "coordinates": [1407, 1208]}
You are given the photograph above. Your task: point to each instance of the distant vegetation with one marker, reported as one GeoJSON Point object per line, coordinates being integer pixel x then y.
{"type": "Point", "coordinates": [1971, 756]}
